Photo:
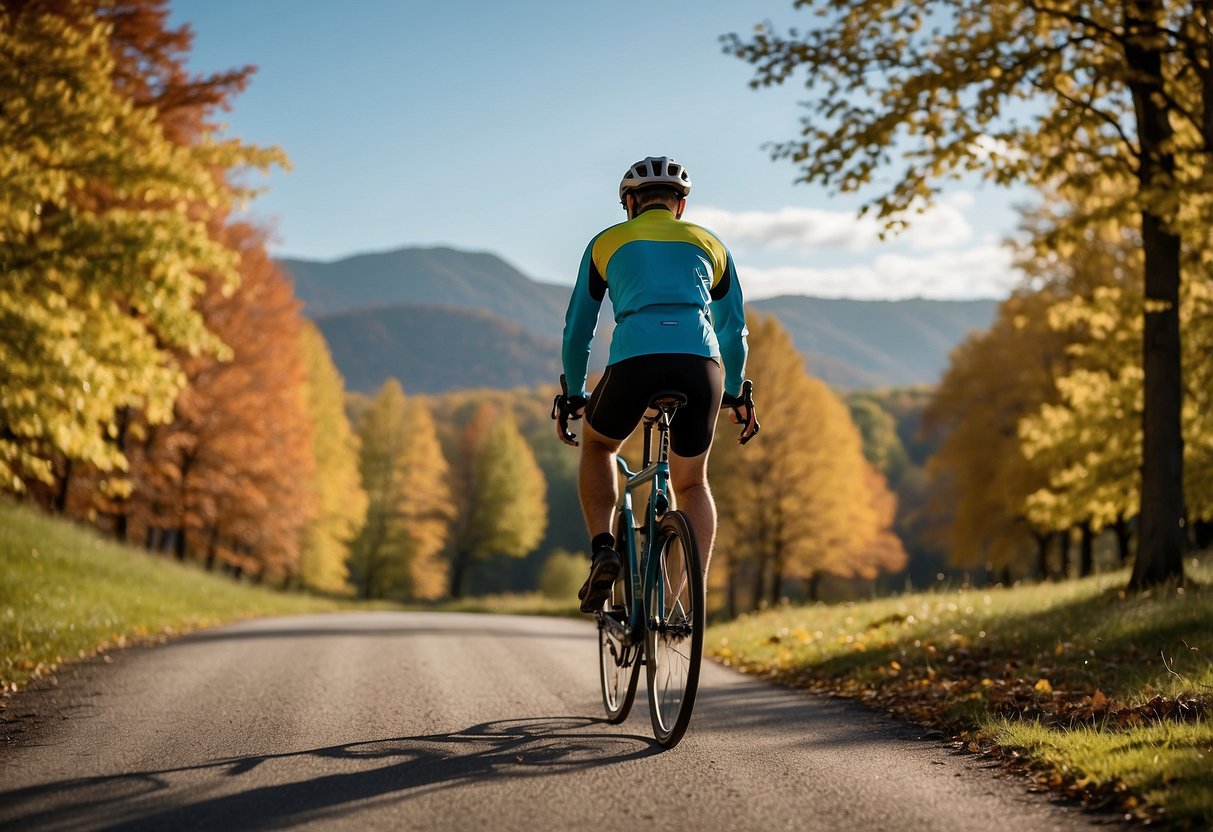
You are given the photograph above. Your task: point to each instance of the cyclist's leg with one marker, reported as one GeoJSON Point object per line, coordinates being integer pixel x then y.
{"type": "Point", "coordinates": [598, 480]}
{"type": "Point", "coordinates": [692, 432]}
{"type": "Point", "coordinates": [690, 476]}
{"type": "Point", "coordinates": [615, 408]}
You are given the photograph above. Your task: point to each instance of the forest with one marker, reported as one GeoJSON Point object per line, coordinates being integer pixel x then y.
{"type": "Point", "coordinates": [161, 382]}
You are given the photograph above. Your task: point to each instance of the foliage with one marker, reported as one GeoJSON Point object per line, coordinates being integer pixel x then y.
{"type": "Point", "coordinates": [1075, 673]}
{"type": "Point", "coordinates": [881, 445]}
{"type": "Point", "coordinates": [800, 500]}
{"type": "Point", "coordinates": [1105, 102]}
{"type": "Point", "coordinates": [562, 575]}
{"type": "Point", "coordinates": [100, 253]}
{"type": "Point", "coordinates": [229, 475]}
{"type": "Point", "coordinates": [406, 477]}
{"type": "Point", "coordinates": [1089, 442]}
{"type": "Point", "coordinates": [500, 494]}
{"type": "Point", "coordinates": [68, 593]}
{"type": "Point", "coordinates": [145, 385]}
{"type": "Point", "coordinates": [980, 474]}
{"type": "Point", "coordinates": [337, 491]}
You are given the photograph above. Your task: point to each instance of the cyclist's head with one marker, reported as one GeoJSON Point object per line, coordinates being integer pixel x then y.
{"type": "Point", "coordinates": [654, 180]}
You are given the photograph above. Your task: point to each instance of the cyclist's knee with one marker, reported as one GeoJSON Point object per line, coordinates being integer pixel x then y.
{"type": "Point", "coordinates": [689, 472]}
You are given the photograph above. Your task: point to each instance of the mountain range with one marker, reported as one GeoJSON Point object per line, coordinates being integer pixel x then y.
{"type": "Point", "coordinates": [439, 319]}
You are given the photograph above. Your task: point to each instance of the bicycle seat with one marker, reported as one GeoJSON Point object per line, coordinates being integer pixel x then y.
{"type": "Point", "coordinates": [668, 400]}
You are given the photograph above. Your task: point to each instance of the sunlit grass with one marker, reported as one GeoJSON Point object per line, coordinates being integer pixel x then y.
{"type": "Point", "coordinates": [1008, 664]}
{"type": "Point", "coordinates": [66, 592]}
{"type": "Point", "coordinates": [1165, 765]}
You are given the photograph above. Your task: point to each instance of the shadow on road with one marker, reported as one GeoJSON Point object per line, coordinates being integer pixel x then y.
{"type": "Point", "coordinates": [273, 790]}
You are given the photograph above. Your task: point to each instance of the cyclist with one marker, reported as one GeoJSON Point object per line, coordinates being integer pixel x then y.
{"type": "Point", "coordinates": [678, 317]}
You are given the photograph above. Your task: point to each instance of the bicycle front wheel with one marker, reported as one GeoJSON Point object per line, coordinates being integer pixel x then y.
{"type": "Point", "coordinates": [674, 635]}
{"type": "Point", "coordinates": [618, 659]}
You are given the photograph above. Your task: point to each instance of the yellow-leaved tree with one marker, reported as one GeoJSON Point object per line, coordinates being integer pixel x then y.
{"type": "Point", "coordinates": [794, 503]}
{"type": "Point", "coordinates": [397, 554]}
{"type": "Point", "coordinates": [99, 253]}
{"type": "Point", "coordinates": [340, 500]}
{"type": "Point", "coordinates": [980, 476]}
{"type": "Point", "coordinates": [1116, 92]}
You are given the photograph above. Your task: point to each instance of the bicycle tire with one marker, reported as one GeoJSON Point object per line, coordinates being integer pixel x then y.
{"type": "Point", "coordinates": [674, 653]}
{"type": "Point", "coordinates": [618, 664]}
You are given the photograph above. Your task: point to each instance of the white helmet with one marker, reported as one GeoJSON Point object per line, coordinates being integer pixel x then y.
{"type": "Point", "coordinates": [656, 170]}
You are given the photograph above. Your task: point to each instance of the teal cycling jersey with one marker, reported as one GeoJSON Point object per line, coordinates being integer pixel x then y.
{"type": "Point", "coordinates": [674, 290]}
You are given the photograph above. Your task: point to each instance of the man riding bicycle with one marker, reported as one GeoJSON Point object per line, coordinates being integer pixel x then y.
{"type": "Point", "coordinates": [678, 316]}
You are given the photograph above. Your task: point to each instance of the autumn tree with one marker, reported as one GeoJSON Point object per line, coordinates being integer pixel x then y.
{"type": "Point", "coordinates": [500, 492]}
{"type": "Point", "coordinates": [101, 260]}
{"type": "Point", "coordinates": [980, 472]}
{"type": "Point", "coordinates": [1068, 95]}
{"type": "Point", "coordinates": [794, 503]}
{"type": "Point", "coordinates": [336, 486]}
{"type": "Point", "coordinates": [229, 477]}
{"type": "Point", "coordinates": [397, 554]}
{"type": "Point", "coordinates": [1089, 441]}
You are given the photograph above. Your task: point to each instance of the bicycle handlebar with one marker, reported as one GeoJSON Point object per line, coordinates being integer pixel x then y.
{"type": "Point", "coordinates": [566, 407]}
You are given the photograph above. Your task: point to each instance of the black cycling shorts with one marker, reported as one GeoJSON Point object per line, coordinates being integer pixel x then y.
{"type": "Point", "coordinates": [621, 397]}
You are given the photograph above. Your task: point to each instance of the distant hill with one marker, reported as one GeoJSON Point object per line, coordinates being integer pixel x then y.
{"type": "Point", "coordinates": [862, 344]}
{"type": "Point", "coordinates": [432, 349]}
{"type": "Point", "coordinates": [441, 319]}
{"type": "Point", "coordinates": [441, 276]}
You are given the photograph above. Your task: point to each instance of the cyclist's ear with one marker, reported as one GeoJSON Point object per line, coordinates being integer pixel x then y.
{"type": "Point", "coordinates": [682, 206]}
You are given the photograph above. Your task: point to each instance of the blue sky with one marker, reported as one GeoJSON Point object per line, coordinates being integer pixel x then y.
{"type": "Point", "coordinates": [505, 127]}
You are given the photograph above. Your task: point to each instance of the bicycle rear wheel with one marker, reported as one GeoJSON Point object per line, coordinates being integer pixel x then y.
{"type": "Point", "coordinates": [618, 661]}
{"type": "Point", "coordinates": [674, 631]}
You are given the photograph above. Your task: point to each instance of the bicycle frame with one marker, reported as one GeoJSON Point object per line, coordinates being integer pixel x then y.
{"type": "Point", "coordinates": [642, 567]}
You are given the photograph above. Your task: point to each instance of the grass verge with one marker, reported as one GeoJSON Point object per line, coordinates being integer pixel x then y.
{"type": "Point", "coordinates": [1103, 695]}
{"type": "Point", "coordinates": [66, 592]}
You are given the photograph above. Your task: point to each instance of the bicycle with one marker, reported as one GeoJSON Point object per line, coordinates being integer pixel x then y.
{"type": "Point", "coordinates": [655, 614]}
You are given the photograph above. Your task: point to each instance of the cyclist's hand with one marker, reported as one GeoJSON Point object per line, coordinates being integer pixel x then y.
{"type": "Point", "coordinates": [744, 411]}
{"type": "Point", "coordinates": [565, 408]}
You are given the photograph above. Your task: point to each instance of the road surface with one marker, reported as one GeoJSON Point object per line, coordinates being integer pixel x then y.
{"type": "Point", "coordinates": [432, 721]}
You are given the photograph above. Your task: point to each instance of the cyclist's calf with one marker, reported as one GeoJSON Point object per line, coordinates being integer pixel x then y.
{"type": "Point", "coordinates": [690, 480]}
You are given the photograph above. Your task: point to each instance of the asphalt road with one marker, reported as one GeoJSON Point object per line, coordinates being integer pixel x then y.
{"type": "Point", "coordinates": [448, 721]}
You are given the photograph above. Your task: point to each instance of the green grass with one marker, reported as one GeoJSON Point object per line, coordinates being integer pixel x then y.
{"type": "Point", "coordinates": [66, 592]}
{"type": "Point", "coordinates": [1068, 679]}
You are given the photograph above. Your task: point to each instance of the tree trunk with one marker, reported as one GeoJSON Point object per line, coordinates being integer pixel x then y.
{"type": "Point", "coordinates": [814, 585]}
{"type": "Point", "coordinates": [1123, 534]}
{"type": "Point", "coordinates": [459, 565]}
{"type": "Point", "coordinates": [1086, 560]}
{"type": "Point", "coordinates": [1160, 539]}
{"type": "Point", "coordinates": [212, 546]}
{"type": "Point", "coordinates": [1063, 550]}
{"type": "Point", "coordinates": [1042, 554]}
{"type": "Point", "coordinates": [62, 491]}
{"type": "Point", "coordinates": [179, 549]}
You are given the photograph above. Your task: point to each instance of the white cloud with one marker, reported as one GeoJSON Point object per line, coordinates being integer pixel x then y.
{"type": "Point", "coordinates": [943, 225]}
{"type": "Point", "coordinates": [980, 272]}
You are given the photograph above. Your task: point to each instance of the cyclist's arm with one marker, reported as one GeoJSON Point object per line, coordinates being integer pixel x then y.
{"type": "Point", "coordinates": [580, 323]}
{"type": "Point", "coordinates": [728, 319]}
